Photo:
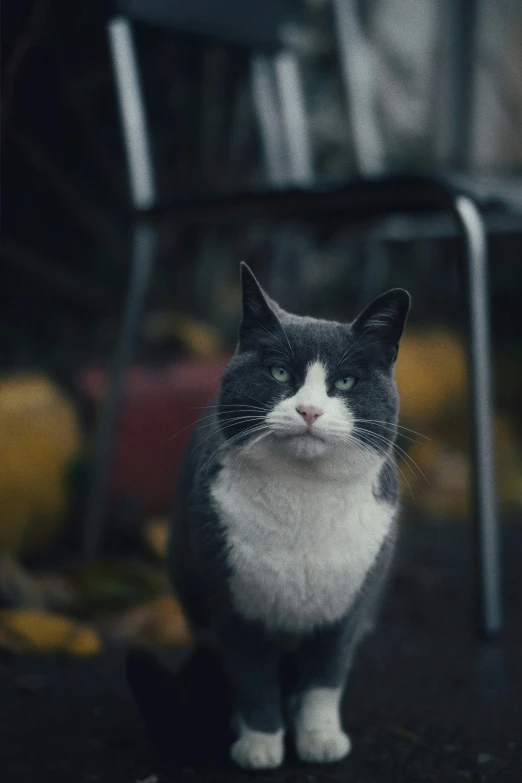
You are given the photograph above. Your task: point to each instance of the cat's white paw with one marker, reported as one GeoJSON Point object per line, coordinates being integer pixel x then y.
{"type": "Point", "coordinates": [258, 750]}
{"type": "Point", "coordinates": [319, 736]}
{"type": "Point", "coordinates": [322, 745]}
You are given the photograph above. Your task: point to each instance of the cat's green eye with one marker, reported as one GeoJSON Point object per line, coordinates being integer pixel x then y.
{"type": "Point", "coordinates": [280, 374]}
{"type": "Point", "coordinates": [345, 384]}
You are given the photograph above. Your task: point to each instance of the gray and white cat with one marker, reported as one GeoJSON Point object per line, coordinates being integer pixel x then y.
{"type": "Point", "coordinates": [284, 525]}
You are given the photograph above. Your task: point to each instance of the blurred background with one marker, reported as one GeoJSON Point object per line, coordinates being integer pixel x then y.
{"type": "Point", "coordinates": [386, 86]}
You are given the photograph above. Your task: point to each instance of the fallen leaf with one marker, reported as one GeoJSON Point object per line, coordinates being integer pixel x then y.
{"type": "Point", "coordinates": [32, 630]}
{"type": "Point", "coordinates": [431, 374]}
{"type": "Point", "coordinates": [157, 623]}
{"type": "Point", "coordinates": [402, 732]}
{"type": "Point", "coordinates": [197, 337]}
{"type": "Point", "coordinates": [114, 585]}
{"type": "Point", "coordinates": [40, 440]}
{"type": "Point", "coordinates": [156, 536]}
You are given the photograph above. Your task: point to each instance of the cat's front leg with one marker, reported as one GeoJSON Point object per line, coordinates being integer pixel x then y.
{"type": "Point", "coordinates": [255, 749]}
{"type": "Point", "coordinates": [251, 665]}
{"type": "Point", "coordinates": [323, 662]}
{"type": "Point", "coordinates": [320, 737]}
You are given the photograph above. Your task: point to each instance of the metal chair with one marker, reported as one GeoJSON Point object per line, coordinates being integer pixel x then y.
{"type": "Point", "coordinates": [289, 165]}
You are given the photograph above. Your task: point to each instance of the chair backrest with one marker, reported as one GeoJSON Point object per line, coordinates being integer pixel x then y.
{"type": "Point", "coordinates": [253, 24]}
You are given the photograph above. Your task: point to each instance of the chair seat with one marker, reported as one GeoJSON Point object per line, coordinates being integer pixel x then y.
{"type": "Point", "coordinates": [360, 199]}
{"type": "Point", "coordinates": [254, 24]}
{"type": "Point", "coordinates": [494, 190]}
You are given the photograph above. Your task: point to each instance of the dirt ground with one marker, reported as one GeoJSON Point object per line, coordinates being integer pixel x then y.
{"type": "Point", "coordinates": [426, 701]}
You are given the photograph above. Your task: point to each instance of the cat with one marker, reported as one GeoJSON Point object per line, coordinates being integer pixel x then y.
{"type": "Point", "coordinates": [285, 519]}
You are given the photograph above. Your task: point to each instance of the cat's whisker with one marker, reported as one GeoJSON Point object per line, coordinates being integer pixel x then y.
{"type": "Point", "coordinates": [275, 337]}
{"type": "Point", "coordinates": [364, 452]}
{"type": "Point", "coordinates": [342, 430]}
{"type": "Point", "coordinates": [380, 450]}
{"type": "Point", "coordinates": [394, 432]}
{"type": "Point", "coordinates": [243, 450]}
{"type": "Point", "coordinates": [410, 459]}
{"type": "Point", "coordinates": [220, 427]}
{"type": "Point", "coordinates": [404, 455]}
{"type": "Point", "coordinates": [358, 447]}
{"type": "Point", "coordinates": [229, 442]}
{"type": "Point", "coordinates": [352, 350]}
{"type": "Point", "coordinates": [399, 450]}
{"type": "Point", "coordinates": [228, 405]}
{"type": "Point", "coordinates": [278, 352]}
{"type": "Point", "coordinates": [248, 446]}
{"type": "Point", "coordinates": [388, 424]}
{"type": "Point", "coordinates": [199, 423]}
{"type": "Point", "coordinates": [278, 339]}
{"type": "Point", "coordinates": [388, 456]}
{"type": "Point", "coordinates": [232, 412]}
{"type": "Point", "coordinates": [221, 446]}
{"type": "Point", "coordinates": [229, 419]}
{"type": "Point", "coordinates": [388, 465]}
{"type": "Point", "coordinates": [348, 351]}
{"type": "Point", "coordinates": [371, 445]}
{"type": "Point", "coordinates": [230, 439]}
{"type": "Point", "coordinates": [219, 404]}
{"type": "Point", "coordinates": [287, 340]}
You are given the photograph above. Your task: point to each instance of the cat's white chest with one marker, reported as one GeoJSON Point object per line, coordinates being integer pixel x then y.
{"type": "Point", "coordinates": [298, 550]}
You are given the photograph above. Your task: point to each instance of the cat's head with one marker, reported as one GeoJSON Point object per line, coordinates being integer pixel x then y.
{"type": "Point", "coordinates": [311, 388]}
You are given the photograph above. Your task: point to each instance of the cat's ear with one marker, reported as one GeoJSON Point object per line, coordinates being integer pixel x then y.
{"type": "Point", "coordinates": [257, 309]}
{"type": "Point", "coordinates": [384, 319]}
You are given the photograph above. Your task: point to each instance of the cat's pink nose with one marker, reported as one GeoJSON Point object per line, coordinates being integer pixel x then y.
{"type": "Point", "coordinates": [309, 413]}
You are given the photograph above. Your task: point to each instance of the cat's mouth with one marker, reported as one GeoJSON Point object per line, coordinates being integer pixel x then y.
{"type": "Point", "coordinates": [306, 434]}
{"type": "Point", "coordinates": [304, 444]}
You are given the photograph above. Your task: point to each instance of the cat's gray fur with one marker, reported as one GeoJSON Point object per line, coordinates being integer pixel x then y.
{"type": "Point", "coordinates": [284, 529]}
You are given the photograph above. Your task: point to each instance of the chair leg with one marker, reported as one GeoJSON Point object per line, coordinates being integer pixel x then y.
{"type": "Point", "coordinates": [288, 260]}
{"type": "Point", "coordinates": [488, 562]}
{"type": "Point", "coordinates": [359, 87]}
{"type": "Point", "coordinates": [141, 180]}
{"type": "Point", "coordinates": [270, 122]}
{"type": "Point", "coordinates": [272, 81]}
{"type": "Point", "coordinates": [294, 120]}
{"type": "Point", "coordinates": [132, 113]}
{"type": "Point", "coordinates": [141, 268]}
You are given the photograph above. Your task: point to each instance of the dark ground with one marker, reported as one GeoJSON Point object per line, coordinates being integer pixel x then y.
{"type": "Point", "coordinates": [426, 701]}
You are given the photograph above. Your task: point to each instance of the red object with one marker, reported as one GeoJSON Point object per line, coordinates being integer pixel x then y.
{"type": "Point", "coordinates": [159, 410]}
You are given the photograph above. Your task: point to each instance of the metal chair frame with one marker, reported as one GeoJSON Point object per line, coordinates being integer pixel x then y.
{"type": "Point", "coordinates": [367, 198]}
